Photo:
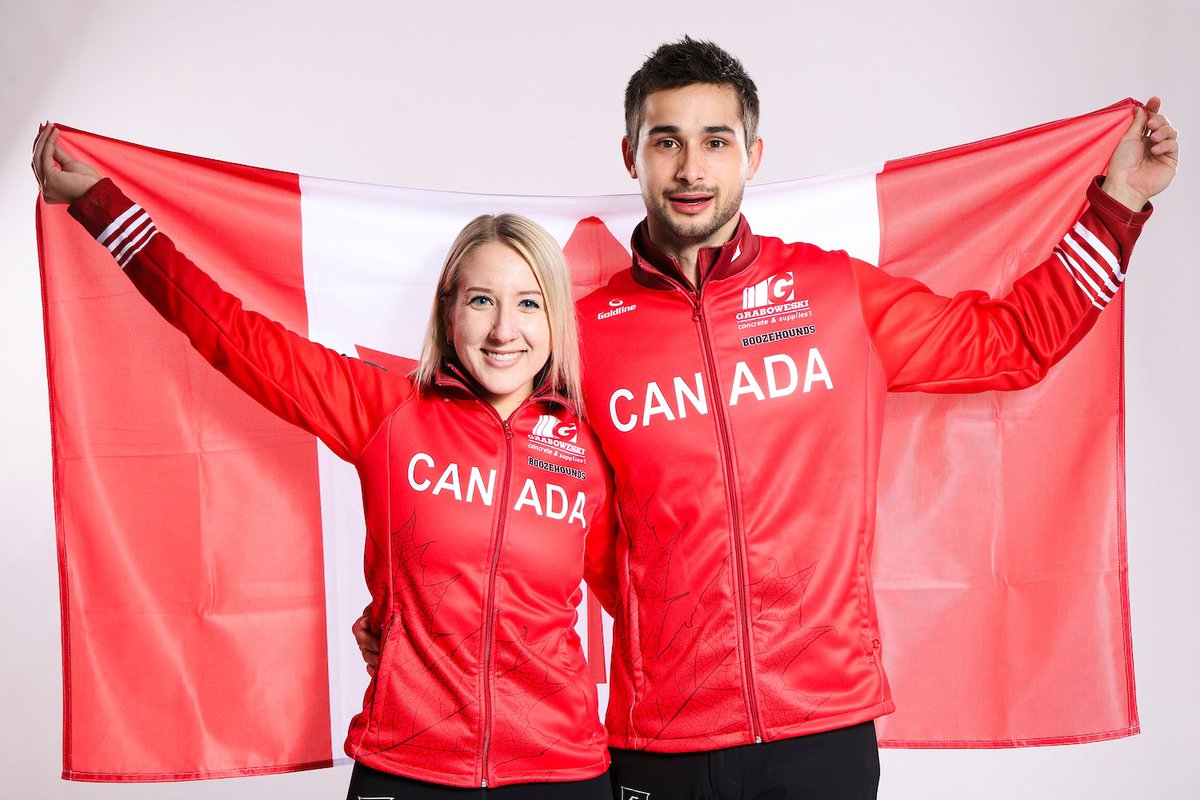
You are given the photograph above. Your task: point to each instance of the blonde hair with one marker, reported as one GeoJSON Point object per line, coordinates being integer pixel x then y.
{"type": "Point", "coordinates": [543, 255]}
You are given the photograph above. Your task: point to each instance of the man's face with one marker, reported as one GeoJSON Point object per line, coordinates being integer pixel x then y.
{"type": "Point", "coordinates": [692, 164]}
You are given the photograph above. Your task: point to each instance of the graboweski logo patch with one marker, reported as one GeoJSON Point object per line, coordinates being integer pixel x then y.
{"type": "Point", "coordinates": [555, 437]}
{"type": "Point", "coordinates": [772, 300]}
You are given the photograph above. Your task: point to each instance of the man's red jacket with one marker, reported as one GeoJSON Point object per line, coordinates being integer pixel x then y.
{"type": "Point", "coordinates": [742, 422]}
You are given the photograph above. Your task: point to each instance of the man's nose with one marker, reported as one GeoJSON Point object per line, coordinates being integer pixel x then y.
{"type": "Point", "coordinates": [691, 166]}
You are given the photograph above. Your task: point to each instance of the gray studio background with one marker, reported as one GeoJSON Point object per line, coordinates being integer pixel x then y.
{"type": "Point", "coordinates": [525, 97]}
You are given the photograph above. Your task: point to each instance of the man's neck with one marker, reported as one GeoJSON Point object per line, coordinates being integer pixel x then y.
{"type": "Point", "coordinates": [687, 256]}
{"type": "Point", "coordinates": [686, 252]}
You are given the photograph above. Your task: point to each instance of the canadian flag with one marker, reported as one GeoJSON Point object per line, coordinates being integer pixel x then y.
{"type": "Point", "coordinates": [210, 555]}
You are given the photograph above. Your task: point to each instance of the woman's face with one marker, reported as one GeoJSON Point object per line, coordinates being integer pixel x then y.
{"type": "Point", "coordinates": [498, 326]}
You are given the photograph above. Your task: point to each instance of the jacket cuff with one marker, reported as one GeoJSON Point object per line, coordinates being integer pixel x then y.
{"type": "Point", "coordinates": [99, 205]}
{"type": "Point", "coordinates": [114, 221]}
{"type": "Point", "coordinates": [1114, 211]}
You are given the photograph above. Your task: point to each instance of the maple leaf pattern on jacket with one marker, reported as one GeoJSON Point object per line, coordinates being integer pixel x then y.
{"type": "Point", "coordinates": [677, 636]}
{"type": "Point", "coordinates": [777, 608]}
{"type": "Point", "coordinates": [424, 665]}
{"type": "Point", "coordinates": [521, 680]}
{"type": "Point", "coordinates": [685, 635]}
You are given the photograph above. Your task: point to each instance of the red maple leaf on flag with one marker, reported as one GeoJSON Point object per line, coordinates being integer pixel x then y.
{"type": "Point", "coordinates": [594, 255]}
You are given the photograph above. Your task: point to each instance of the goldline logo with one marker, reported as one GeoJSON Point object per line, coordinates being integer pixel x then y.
{"type": "Point", "coordinates": [618, 307]}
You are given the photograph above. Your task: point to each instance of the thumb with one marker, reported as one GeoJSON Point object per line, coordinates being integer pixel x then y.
{"type": "Point", "coordinates": [1138, 126]}
{"type": "Point", "coordinates": [62, 156]}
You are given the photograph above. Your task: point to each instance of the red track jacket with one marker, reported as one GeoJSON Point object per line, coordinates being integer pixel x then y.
{"type": "Point", "coordinates": [475, 531]}
{"type": "Point", "coordinates": [743, 426]}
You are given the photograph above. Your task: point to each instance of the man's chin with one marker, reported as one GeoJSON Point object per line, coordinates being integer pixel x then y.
{"type": "Point", "coordinates": [694, 231]}
{"type": "Point", "coordinates": [688, 227]}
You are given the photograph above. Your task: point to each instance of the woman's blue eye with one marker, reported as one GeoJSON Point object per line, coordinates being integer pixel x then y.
{"type": "Point", "coordinates": [528, 303]}
{"type": "Point", "coordinates": [479, 300]}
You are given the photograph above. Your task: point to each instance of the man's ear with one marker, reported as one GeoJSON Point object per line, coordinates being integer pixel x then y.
{"type": "Point", "coordinates": [754, 154]}
{"type": "Point", "coordinates": [630, 157]}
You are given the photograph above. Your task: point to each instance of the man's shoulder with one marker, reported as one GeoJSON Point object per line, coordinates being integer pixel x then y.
{"type": "Point", "coordinates": [774, 247]}
{"type": "Point", "coordinates": [618, 285]}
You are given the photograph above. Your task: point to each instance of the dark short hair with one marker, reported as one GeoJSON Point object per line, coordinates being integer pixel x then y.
{"type": "Point", "coordinates": [683, 63]}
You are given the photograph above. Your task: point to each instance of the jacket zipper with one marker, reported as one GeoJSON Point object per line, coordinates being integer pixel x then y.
{"type": "Point", "coordinates": [489, 614]}
{"type": "Point", "coordinates": [740, 578]}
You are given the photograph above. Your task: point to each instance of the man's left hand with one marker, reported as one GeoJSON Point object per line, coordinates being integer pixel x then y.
{"type": "Point", "coordinates": [1145, 159]}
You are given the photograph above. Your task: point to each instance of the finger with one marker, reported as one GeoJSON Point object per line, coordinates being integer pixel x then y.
{"type": "Point", "coordinates": [39, 146]}
{"type": "Point", "coordinates": [61, 155]}
{"type": "Point", "coordinates": [48, 148]}
{"type": "Point", "coordinates": [47, 159]}
{"type": "Point", "coordinates": [38, 138]}
{"type": "Point", "coordinates": [1161, 129]}
{"type": "Point", "coordinates": [1168, 148]}
{"type": "Point", "coordinates": [1153, 105]}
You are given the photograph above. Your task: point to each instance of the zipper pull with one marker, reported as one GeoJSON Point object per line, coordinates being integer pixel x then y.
{"type": "Point", "coordinates": [507, 430]}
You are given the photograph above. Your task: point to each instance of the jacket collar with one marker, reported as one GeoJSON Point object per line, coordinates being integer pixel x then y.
{"type": "Point", "coordinates": [656, 270]}
{"type": "Point", "coordinates": [453, 379]}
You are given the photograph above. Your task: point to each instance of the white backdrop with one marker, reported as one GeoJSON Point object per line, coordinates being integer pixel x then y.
{"type": "Point", "coordinates": [525, 97]}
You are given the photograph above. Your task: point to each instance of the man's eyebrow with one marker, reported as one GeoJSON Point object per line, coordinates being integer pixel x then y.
{"type": "Point", "coordinates": [672, 130]}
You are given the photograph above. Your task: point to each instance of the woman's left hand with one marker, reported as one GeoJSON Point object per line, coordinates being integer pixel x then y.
{"type": "Point", "coordinates": [63, 179]}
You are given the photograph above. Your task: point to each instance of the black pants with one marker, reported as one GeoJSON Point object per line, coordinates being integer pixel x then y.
{"type": "Point", "coordinates": [836, 765]}
{"type": "Point", "coordinates": [366, 782]}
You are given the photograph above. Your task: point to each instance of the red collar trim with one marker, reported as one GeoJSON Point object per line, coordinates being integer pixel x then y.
{"type": "Point", "coordinates": [451, 376]}
{"type": "Point", "coordinates": [656, 270]}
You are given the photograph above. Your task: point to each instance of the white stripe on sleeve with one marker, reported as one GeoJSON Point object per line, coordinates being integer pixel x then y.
{"type": "Point", "coordinates": [117, 223]}
{"type": "Point", "coordinates": [134, 228]}
{"type": "Point", "coordinates": [1101, 249]}
{"type": "Point", "coordinates": [1099, 271]}
{"type": "Point", "coordinates": [1095, 294]}
{"type": "Point", "coordinates": [153, 233]}
{"type": "Point", "coordinates": [142, 238]}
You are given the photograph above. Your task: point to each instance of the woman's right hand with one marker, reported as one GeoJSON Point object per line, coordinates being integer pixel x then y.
{"type": "Point", "coordinates": [63, 179]}
{"type": "Point", "coordinates": [368, 642]}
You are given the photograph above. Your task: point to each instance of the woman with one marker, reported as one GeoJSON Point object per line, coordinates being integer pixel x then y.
{"type": "Point", "coordinates": [479, 484]}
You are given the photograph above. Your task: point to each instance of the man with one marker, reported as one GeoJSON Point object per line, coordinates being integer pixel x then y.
{"type": "Point", "coordinates": [746, 655]}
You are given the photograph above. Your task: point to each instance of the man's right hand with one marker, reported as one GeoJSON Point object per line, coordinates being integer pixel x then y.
{"type": "Point", "coordinates": [368, 643]}
{"type": "Point", "coordinates": [62, 178]}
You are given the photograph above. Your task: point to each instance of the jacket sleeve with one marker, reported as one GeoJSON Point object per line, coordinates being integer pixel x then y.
{"type": "Point", "coordinates": [972, 342]}
{"type": "Point", "coordinates": [600, 550]}
{"type": "Point", "coordinates": [339, 399]}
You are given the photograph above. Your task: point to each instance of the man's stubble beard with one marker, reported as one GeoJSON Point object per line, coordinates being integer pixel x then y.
{"type": "Point", "coordinates": [698, 230]}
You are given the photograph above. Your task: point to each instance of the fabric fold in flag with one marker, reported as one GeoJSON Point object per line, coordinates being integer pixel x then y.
{"type": "Point", "coordinates": [210, 555]}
